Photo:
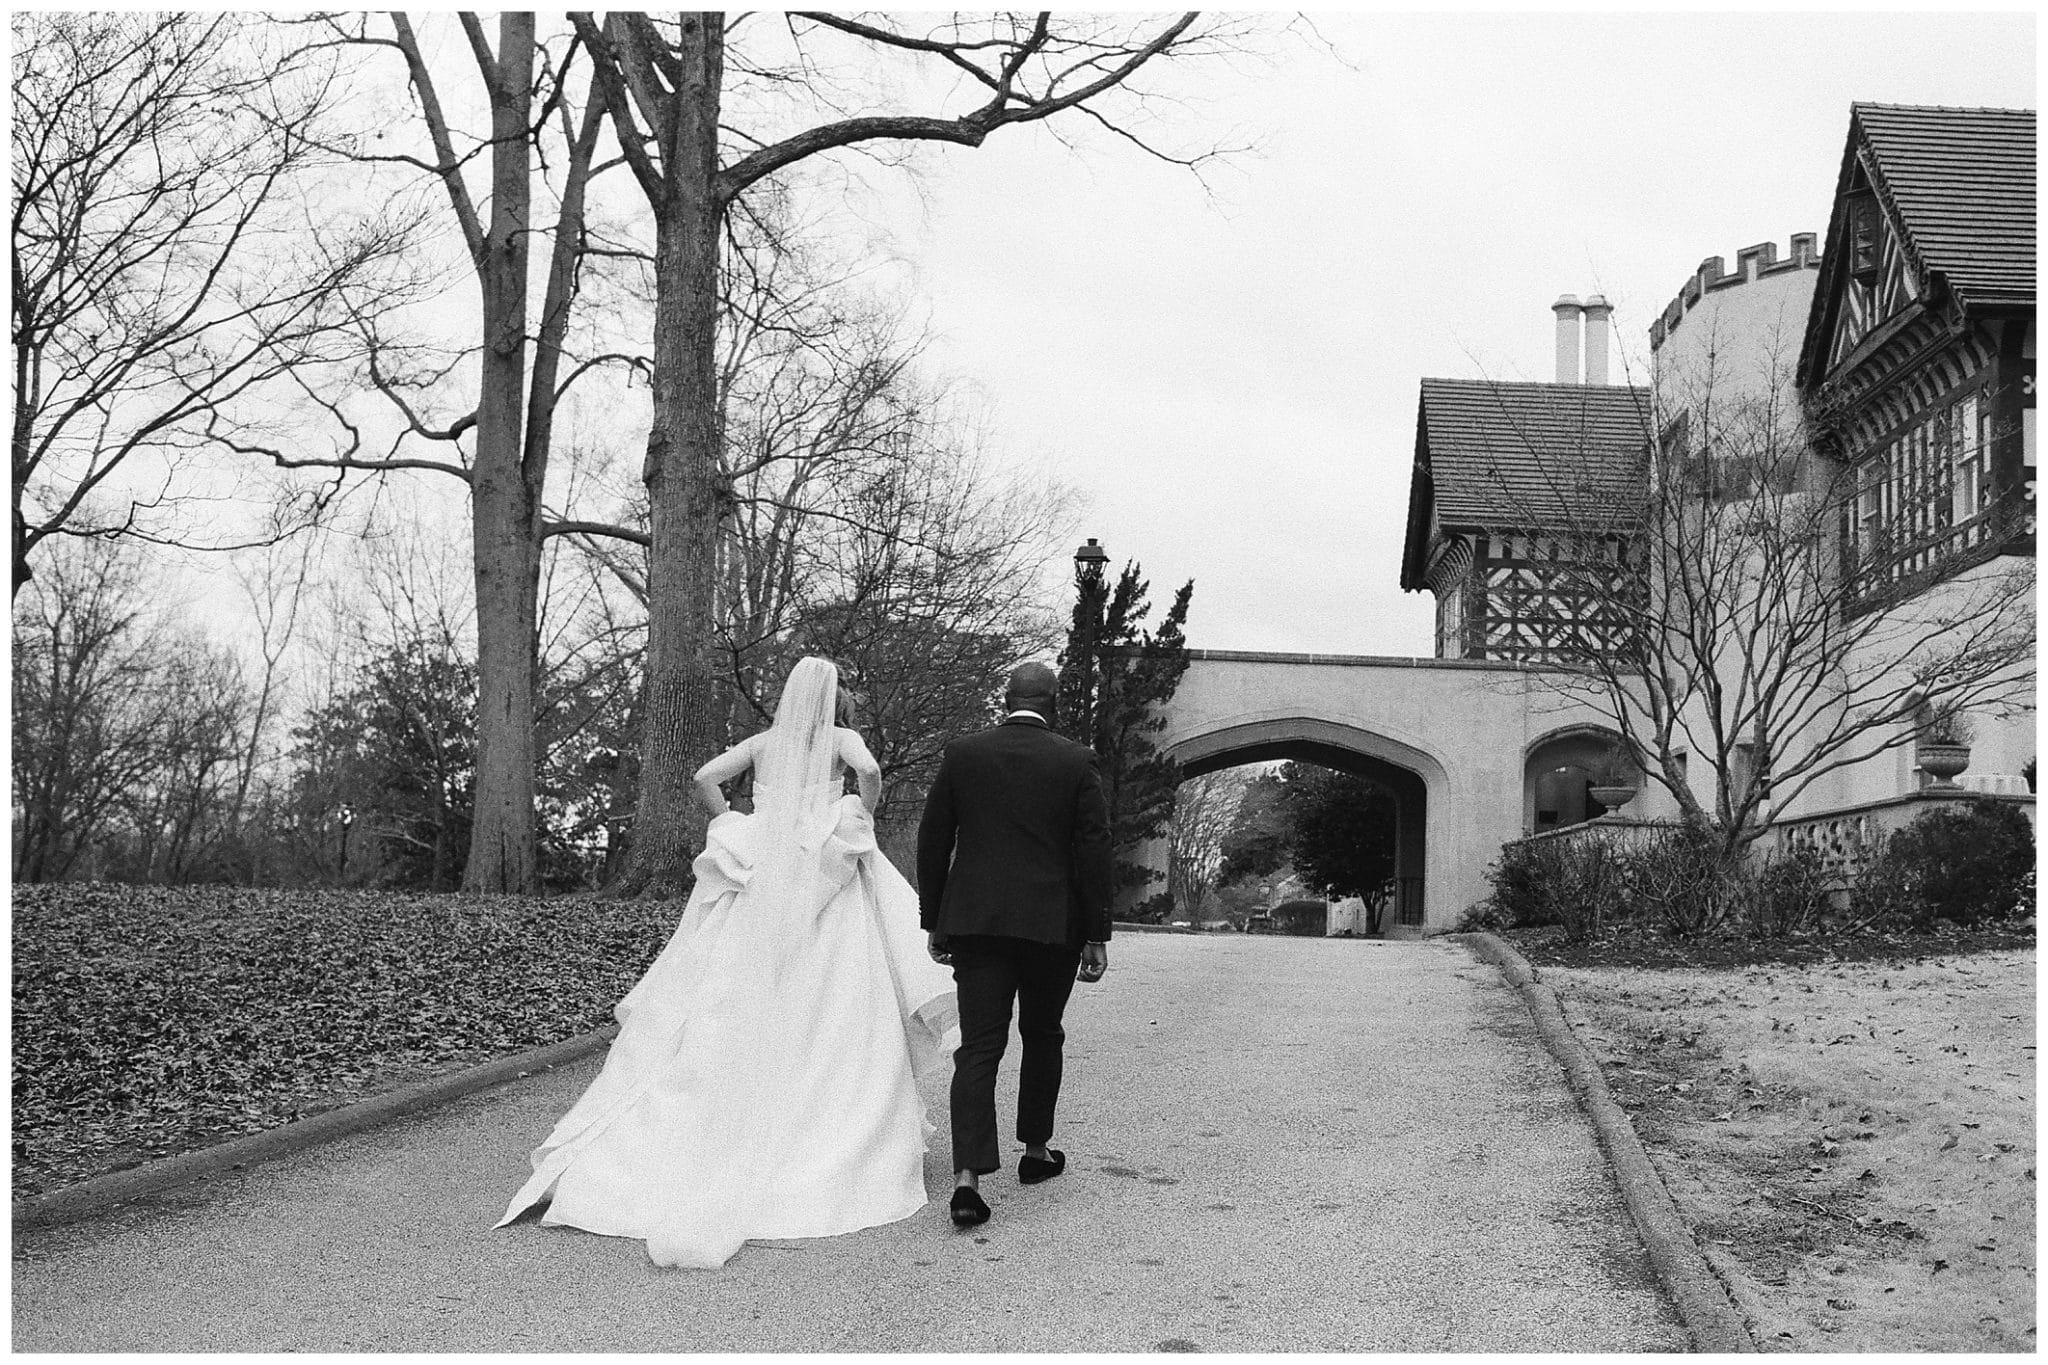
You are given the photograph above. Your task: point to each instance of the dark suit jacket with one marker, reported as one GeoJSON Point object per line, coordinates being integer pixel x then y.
{"type": "Point", "coordinates": [1015, 839]}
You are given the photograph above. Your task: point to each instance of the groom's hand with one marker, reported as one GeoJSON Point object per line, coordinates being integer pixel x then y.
{"type": "Point", "coordinates": [1094, 961]}
{"type": "Point", "coordinates": [941, 951]}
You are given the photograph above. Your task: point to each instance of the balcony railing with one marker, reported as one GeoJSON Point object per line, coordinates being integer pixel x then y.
{"type": "Point", "coordinates": [1896, 568]}
{"type": "Point", "coordinates": [1847, 839]}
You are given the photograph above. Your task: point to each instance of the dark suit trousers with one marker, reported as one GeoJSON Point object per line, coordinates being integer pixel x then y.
{"type": "Point", "coordinates": [990, 972]}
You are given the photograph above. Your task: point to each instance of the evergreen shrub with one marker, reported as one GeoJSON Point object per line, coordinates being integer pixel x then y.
{"type": "Point", "coordinates": [1305, 917]}
{"type": "Point", "coordinates": [1154, 909]}
{"type": "Point", "coordinates": [1966, 862]}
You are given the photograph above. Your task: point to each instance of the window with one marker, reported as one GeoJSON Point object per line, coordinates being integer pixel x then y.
{"type": "Point", "coordinates": [1970, 489]}
{"type": "Point", "coordinates": [2026, 436]}
{"type": "Point", "coordinates": [1870, 510]}
{"type": "Point", "coordinates": [1863, 237]}
{"type": "Point", "coordinates": [1924, 494]}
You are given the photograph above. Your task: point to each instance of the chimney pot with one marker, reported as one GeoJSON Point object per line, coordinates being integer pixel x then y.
{"type": "Point", "coordinates": [1567, 310]}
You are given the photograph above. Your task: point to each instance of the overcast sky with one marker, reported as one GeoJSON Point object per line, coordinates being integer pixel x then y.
{"type": "Point", "coordinates": [1232, 380]}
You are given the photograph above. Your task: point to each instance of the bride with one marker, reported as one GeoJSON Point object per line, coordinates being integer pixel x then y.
{"type": "Point", "coordinates": [764, 1080]}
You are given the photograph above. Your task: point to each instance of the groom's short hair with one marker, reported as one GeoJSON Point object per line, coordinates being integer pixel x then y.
{"type": "Point", "coordinates": [1032, 687]}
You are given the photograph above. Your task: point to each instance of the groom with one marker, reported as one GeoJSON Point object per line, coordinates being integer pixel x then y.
{"type": "Point", "coordinates": [1013, 887]}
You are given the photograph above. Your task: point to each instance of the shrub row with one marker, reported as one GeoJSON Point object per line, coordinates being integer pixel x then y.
{"type": "Point", "coordinates": [1966, 862]}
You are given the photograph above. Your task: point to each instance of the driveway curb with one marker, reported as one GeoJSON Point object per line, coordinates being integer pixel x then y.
{"type": "Point", "coordinates": [1700, 1297]}
{"type": "Point", "coordinates": [102, 1192]}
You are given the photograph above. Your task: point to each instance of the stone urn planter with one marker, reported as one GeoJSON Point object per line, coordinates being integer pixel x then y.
{"type": "Point", "coordinates": [1942, 762]}
{"type": "Point", "coordinates": [1614, 796]}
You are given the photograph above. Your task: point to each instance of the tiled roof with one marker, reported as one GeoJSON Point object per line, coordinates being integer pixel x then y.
{"type": "Point", "coordinates": [1519, 456]}
{"type": "Point", "coordinates": [1961, 182]}
{"type": "Point", "coordinates": [1504, 454]}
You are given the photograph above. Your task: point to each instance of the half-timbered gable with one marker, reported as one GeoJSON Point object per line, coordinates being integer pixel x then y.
{"type": "Point", "coordinates": [1918, 361]}
{"type": "Point", "coordinates": [1516, 511]}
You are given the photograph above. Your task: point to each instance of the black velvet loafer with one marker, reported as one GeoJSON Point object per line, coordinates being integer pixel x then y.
{"type": "Point", "coordinates": [1031, 1169]}
{"type": "Point", "coordinates": [968, 1208]}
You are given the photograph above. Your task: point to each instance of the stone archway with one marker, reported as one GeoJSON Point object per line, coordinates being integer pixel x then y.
{"type": "Point", "coordinates": [1400, 768]}
{"type": "Point", "coordinates": [1558, 771]}
{"type": "Point", "coordinates": [1452, 734]}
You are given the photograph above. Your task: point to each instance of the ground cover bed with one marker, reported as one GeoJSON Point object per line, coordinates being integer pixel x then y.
{"type": "Point", "coordinates": [1848, 1127]}
{"type": "Point", "coordinates": [150, 1021]}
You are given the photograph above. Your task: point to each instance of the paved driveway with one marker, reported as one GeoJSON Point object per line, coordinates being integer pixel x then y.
{"type": "Point", "coordinates": [1274, 1145]}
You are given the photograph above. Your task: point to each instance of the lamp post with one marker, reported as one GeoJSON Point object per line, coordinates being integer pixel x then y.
{"type": "Point", "coordinates": [1090, 603]}
{"type": "Point", "coordinates": [1090, 559]}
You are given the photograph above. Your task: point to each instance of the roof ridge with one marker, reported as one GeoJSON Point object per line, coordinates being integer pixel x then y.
{"type": "Point", "coordinates": [1538, 384]}
{"type": "Point", "coordinates": [1857, 105]}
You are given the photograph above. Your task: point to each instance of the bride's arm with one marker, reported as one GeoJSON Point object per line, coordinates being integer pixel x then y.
{"type": "Point", "coordinates": [722, 769]}
{"type": "Point", "coordinates": [853, 752]}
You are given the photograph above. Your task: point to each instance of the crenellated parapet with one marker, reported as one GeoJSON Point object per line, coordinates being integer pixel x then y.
{"type": "Point", "coordinates": [1751, 263]}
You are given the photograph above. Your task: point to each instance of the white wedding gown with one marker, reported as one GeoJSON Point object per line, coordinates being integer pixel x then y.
{"type": "Point", "coordinates": [764, 1082]}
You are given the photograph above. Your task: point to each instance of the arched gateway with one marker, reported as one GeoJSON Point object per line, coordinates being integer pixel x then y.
{"type": "Point", "coordinates": [1458, 741]}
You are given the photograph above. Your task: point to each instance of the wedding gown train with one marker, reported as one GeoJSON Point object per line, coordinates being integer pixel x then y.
{"type": "Point", "coordinates": [764, 1081]}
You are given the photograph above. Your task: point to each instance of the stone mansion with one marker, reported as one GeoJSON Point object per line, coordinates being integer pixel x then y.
{"type": "Point", "coordinates": [1876, 393]}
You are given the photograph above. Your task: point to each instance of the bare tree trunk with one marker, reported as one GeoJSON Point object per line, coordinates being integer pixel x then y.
{"type": "Point", "coordinates": [680, 714]}
{"type": "Point", "coordinates": [505, 510]}
{"type": "Point", "coordinates": [1031, 73]}
{"type": "Point", "coordinates": [22, 445]}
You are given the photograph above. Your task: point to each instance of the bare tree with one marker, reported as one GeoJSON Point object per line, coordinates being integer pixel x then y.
{"type": "Point", "coordinates": [928, 590]}
{"type": "Point", "coordinates": [499, 442]}
{"type": "Point", "coordinates": [1719, 622]}
{"type": "Point", "coordinates": [174, 264]}
{"type": "Point", "coordinates": [81, 656]}
{"type": "Point", "coordinates": [184, 811]}
{"type": "Point", "coordinates": [664, 87]}
{"type": "Point", "coordinates": [895, 546]}
{"type": "Point", "coordinates": [869, 522]}
{"type": "Point", "coordinates": [1204, 812]}
{"type": "Point", "coordinates": [816, 399]}
{"type": "Point", "coordinates": [385, 762]}
{"type": "Point", "coordinates": [275, 589]}
{"type": "Point", "coordinates": [125, 728]}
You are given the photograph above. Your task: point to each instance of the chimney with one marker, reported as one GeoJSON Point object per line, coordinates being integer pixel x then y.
{"type": "Point", "coordinates": [1597, 312]}
{"type": "Point", "coordinates": [1567, 310]}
